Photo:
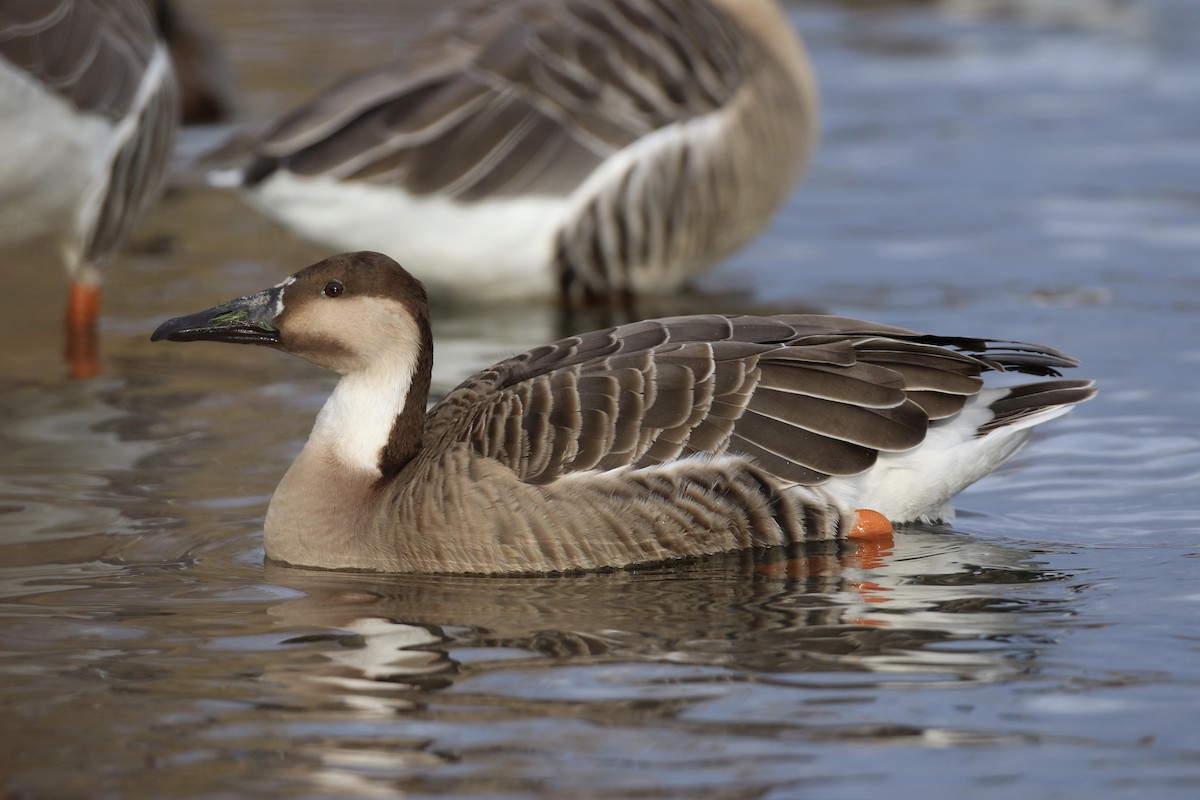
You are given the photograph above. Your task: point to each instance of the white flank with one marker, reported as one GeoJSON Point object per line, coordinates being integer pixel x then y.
{"type": "Point", "coordinates": [494, 248]}
{"type": "Point", "coordinates": [55, 173]}
{"type": "Point", "coordinates": [918, 484]}
{"type": "Point", "coordinates": [52, 154]}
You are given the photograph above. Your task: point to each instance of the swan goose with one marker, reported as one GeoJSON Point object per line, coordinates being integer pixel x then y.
{"type": "Point", "coordinates": [645, 442]}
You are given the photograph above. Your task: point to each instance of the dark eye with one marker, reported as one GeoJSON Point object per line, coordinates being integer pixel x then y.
{"type": "Point", "coordinates": [333, 289]}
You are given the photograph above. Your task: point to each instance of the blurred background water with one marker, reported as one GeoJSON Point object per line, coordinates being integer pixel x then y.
{"type": "Point", "coordinates": [1009, 168]}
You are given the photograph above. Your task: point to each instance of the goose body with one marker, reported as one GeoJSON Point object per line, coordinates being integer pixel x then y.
{"type": "Point", "coordinates": [88, 107]}
{"type": "Point", "coordinates": [640, 443]}
{"type": "Point", "coordinates": [598, 149]}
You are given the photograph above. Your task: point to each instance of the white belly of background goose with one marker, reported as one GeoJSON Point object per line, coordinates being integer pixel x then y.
{"type": "Point", "coordinates": [650, 441]}
{"type": "Point", "coordinates": [592, 148]}
{"type": "Point", "coordinates": [505, 256]}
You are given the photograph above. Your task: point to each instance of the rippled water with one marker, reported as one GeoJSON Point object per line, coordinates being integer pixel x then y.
{"type": "Point", "coordinates": [1016, 169]}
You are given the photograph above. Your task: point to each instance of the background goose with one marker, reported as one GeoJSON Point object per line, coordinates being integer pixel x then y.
{"type": "Point", "coordinates": [640, 443]}
{"type": "Point", "coordinates": [596, 148]}
{"type": "Point", "coordinates": [202, 69]}
{"type": "Point", "coordinates": [88, 108]}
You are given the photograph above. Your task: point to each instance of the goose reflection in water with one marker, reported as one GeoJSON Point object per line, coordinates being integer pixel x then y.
{"type": "Point", "coordinates": [796, 618]}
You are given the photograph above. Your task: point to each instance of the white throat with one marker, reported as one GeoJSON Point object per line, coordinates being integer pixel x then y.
{"type": "Point", "coordinates": [357, 419]}
{"type": "Point", "coordinates": [380, 352]}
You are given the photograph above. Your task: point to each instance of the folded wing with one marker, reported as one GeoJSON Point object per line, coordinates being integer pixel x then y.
{"type": "Point", "coordinates": [807, 397]}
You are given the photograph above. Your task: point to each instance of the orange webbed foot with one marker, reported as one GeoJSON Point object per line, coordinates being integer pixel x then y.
{"type": "Point", "coordinates": [870, 524]}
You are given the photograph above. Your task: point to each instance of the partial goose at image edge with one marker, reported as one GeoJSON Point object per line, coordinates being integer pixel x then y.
{"type": "Point", "coordinates": [638, 444]}
{"type": "Point", "coordinates": [88, 114]}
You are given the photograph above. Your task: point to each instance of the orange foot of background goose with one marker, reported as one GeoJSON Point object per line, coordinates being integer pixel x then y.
{"type": "Point", "coordinates": [83, 316]}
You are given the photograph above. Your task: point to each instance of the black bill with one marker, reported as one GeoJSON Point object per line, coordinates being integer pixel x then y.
{"type": "Point", "coordinates": [246, 320]}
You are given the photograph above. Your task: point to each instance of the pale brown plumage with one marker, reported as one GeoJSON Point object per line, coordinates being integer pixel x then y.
{"type": "Point", "coordinates": [645, 442]}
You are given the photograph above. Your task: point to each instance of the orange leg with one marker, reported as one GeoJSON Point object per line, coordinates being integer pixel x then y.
{"type": "Point", "coordinates": [83, 341]}
{"type": "Point", "coordinates": [872, 534]}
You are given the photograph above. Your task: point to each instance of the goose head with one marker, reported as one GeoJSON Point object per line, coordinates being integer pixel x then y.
{"type": "Point", "coordinates": [347, 314]}
{"type": "Point", "coordinates": [361, 315]}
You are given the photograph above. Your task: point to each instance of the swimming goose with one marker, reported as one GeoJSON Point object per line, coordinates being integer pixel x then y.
{"type": "Point", "coordinates": [597, 149]}
{"type": "Point", "coordinates": [641, 443]}
{"type": "Point", "coordinates": [87, 120]}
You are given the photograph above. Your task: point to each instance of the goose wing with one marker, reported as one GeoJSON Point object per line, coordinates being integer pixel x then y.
{"type": "Point", "coordinates": [516, 97]}
{"type": "Point", "coordinates": [93, 53]}
{"type": "Point", "coordinates": [806, 396]}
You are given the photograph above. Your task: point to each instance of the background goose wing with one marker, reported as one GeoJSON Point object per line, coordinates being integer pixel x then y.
{"type": "Point", "coordinates": [807, 397]}
{"type": "Point", "coordinates": [93, 53]}
{"type": "Point", "coordinates": [517, 97]}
